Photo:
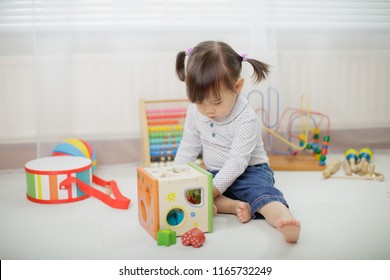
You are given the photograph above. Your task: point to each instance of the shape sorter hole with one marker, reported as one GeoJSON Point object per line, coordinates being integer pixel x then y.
{"type": "Point", "coordinates": [148, 196]}
{"type": "Point", "coordinates": [194, 196]}
{"type": "Point", "coordinates": [175, 217]}
{"type": "Point", "coordinates": [143, 210]}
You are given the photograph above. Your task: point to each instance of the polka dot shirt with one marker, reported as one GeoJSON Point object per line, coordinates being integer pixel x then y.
{"type": "Point", "coordinates": [229, 144]}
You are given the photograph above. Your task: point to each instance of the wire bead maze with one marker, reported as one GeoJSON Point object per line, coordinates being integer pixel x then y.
{"type": "Point", "coordinates": [303, 141]}
{"type": "Point", "coordinates": [162, 123]}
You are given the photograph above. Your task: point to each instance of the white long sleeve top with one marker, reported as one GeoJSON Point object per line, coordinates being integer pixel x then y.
{"type": "Point", "coordinates": [230, 144]}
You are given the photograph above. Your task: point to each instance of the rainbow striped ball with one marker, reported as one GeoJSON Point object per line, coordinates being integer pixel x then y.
{"type": "Point", "coordinates": [76, 147]}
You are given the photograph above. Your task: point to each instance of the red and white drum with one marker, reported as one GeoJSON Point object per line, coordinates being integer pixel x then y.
{"type": "Point", "coordinates": [47, 177]}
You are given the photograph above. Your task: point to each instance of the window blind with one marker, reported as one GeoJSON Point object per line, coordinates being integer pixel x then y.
{"type": "Point", "coordinates": [197, 13]}
{"type": "Point", "coordinates": [329, 13]}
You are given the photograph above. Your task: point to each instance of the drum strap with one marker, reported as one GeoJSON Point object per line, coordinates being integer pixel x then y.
{"type": "Point", "coordinates": [117, 201]}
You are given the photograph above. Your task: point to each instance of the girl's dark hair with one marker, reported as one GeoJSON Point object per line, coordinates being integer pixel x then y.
{"type": "Point", "coordinates": [213, 67]}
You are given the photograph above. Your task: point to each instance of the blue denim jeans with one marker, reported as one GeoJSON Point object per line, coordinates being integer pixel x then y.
{"type": "Point", "coordinates": [256, 187]}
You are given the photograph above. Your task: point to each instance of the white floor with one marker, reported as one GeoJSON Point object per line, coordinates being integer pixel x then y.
{"type": "Point", "coordinates": [341, 219]}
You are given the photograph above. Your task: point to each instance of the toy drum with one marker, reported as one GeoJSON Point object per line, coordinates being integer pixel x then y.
{"type": "Point", "coordinates": [51, 180]}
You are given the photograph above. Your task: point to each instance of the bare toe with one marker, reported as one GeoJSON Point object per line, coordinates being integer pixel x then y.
{"type": "Point", "coordinates": [290, 229]}
{"type": "Point", "coordinates": [243, 211]}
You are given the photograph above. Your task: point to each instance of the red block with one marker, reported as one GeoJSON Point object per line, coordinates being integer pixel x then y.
{"type": "Point", "coordinates": [193, 237]}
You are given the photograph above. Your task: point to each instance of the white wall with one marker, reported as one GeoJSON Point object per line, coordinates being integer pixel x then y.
{"type": "Point", "coordinates": [84, 79]}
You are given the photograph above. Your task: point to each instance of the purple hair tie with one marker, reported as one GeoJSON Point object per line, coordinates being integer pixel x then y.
{"type": "Point", "coordinates": [244, 57]}
{"type": "Point", "coordinates": [188, 51]}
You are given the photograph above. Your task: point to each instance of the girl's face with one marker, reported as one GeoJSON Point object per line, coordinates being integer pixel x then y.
{"type": "Point", "coordinates": [218, 108]}
{"type": "Point", "coordinates": [215, 108]}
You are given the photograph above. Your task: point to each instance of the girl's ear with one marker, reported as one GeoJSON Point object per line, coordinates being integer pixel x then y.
{"type": "Point", "coordinates": [239, 85]}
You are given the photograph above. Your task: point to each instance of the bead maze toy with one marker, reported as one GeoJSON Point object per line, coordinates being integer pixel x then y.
{"type": "Point", "coordinates": [162, 129]}
{"type": "Point", "coordinates": [176, 197]}
{"type": "Point", "coordinates": [289, 159]}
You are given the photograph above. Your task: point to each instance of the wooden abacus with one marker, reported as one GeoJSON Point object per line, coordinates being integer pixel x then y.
{"type": "Point", "coordinates": [162, 123]}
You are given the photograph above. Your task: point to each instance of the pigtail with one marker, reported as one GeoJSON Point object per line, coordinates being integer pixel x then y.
{"type": "Point", "coordinates": [180, 67]}
{"type": "Point", "coordinates": [260, 69]}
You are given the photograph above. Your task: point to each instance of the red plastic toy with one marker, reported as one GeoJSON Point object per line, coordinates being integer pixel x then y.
{"type": "Point", "coordinates": [194, 237]}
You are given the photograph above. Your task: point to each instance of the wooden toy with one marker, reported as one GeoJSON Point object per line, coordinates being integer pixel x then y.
{"type": "Point", "coordinates": [177, 197]}
{"type": "Point", "coordinates": [332, 168]}
{"type": "Point", "coordinates": [166, 237]}
{"type": "Point", "coordinates": [352, 156]}
{"type": "Point", "coordinates": [335, 165]}
{"type": "Point", "coordinates": [365, 155]}
{"type": "Point", "coordinates": [162, 123]}
{"type": "Point", "coordinates": [347, 167]}
{"type": "Point", "coordinates": [373, 177]}
{"type": "Point", "coordinates": [363, 169]}
{"type": "Point", "coordinates": [194, 238]}
{"type": "Point", "coordinates": [365, 172]}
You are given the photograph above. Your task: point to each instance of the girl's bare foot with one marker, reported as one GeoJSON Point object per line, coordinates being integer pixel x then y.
{"type": "Point", "coordinates": [290, 229]}
{"type": "Point", "coordinates": [243, 211]}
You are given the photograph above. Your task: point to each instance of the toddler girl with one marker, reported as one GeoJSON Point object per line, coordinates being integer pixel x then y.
{"type": "Point", "coordinates": [222, 124]}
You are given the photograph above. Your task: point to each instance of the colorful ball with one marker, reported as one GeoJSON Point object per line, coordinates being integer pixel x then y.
{"type": "Point", "coordinates": [76, 147]}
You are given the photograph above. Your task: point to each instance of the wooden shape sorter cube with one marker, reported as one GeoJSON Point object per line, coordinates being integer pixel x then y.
{"type": "Point", "coordinates": [177, 197]}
